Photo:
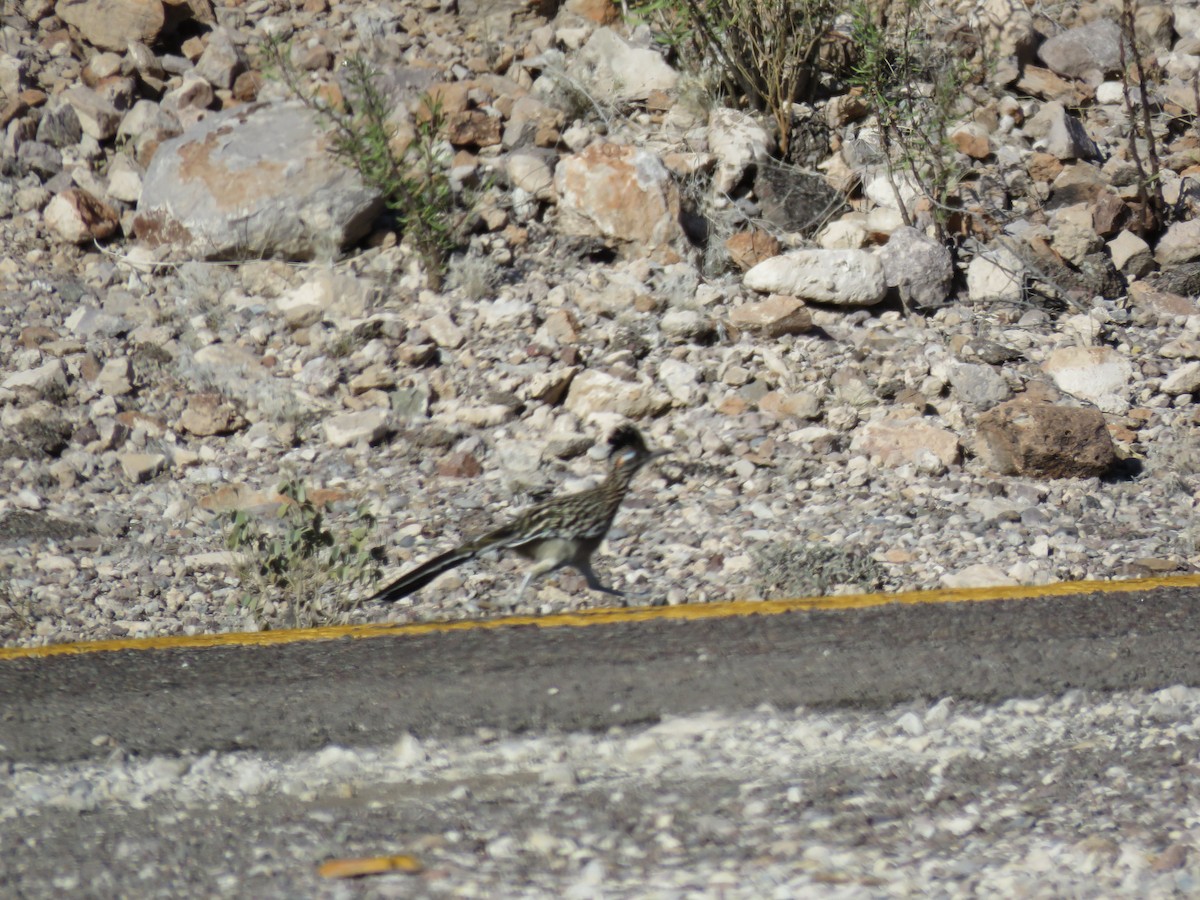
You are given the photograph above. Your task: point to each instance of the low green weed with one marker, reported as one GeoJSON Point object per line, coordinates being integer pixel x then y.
{"type": "Point", "coordinates": [287, 565]}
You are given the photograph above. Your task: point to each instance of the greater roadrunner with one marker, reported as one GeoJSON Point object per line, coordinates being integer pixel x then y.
{"type": "Point", "coordinates": [562, 531]}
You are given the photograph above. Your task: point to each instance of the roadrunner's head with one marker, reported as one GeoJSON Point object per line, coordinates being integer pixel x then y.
{"type": "Point", "coordinates": [628, 451]}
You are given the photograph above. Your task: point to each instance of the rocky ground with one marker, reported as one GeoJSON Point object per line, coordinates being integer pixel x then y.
{"type": "Point", "coordinates": [849, 403]}
{"type": "Point", "coordinates": [1077, 795]}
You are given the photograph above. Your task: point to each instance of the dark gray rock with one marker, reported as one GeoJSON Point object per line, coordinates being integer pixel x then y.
{"type": "Point", "coordinates": [60, 127]}
{"type": "Point", "coordinates": [795, 200]}
{"type": "Point", "coordinates": [39, 158]}
{"type": "Point", "coordinates": [1088, 48]}
{"type": "Point", "coordinates": [919, 267]}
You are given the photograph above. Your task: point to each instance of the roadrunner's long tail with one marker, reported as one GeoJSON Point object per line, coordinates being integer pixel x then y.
{"type": "Point", "coordinates": [417, 578]}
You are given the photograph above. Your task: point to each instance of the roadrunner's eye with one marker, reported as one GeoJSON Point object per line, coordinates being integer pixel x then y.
{"type": "Point", "coordinates": [626, 456]}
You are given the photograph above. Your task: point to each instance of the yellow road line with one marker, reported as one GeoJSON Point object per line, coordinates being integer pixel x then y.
{"type": "Point", "coordinates": [606, 616]}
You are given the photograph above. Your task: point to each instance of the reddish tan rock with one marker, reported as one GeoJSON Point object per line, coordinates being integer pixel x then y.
{"type": "Point", "coordinates": [1043, 166]}
{"type": "Point", "coordinates": [449, 97]}
{"type": "Point", "coordinates": [210, 414]}
{"type": "Point", "coordinates": [1044, 440]}
{"type": "Point", "coordinates": [778, 315]}
{"type": "Point", "coordinates": [112, 24]}
{"type": "Point", "coordinates": [561, 326]}
{"type": "Point", "coordinates": [459, 465]}
{"type": "Point", "coordinates": [748, 248]}
{"type": "Point", "coordinates": [76, 216]}
{"type": "Point", "coordinates": [231, 497]}
{"type": "Point", "coordinates": [1045, 84]}
{"type": "Point", "coordinates": [472, 127]}
{"type": "Point", "coordinates": [972, 139]}
{"type": "Point", "coordinates": [1108, 213]}
{"type": "Point", "coordinates": [793, 406]}
{"type": "Point", "coordinates": [602, 12]}
{"type": "Point", "coordinates": [141, 467]}
{"type": "Point", "coordinates": [374, 377]}
{"type": "Point", "coordinates": [732, 405]}
{"type": "Point", "coordinates": [621, 193]}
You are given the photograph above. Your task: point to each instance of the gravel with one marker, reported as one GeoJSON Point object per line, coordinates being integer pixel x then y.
{"type": "Point", "coordinates": [1075, 795]}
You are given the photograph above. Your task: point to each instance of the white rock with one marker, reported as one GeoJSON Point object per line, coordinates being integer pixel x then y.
{"type": "Point", "coordinates": [1184, 380]}
{"type": "Point", "coordinates": [408, 750]}
{"type": "Point", "coordinates": [1131, 254]}
{"type": "Point", "coordinates": [505, 311]}
{"type": "Point", "coordinates": [960, 826]}
{"type": "Point", "coordinates": [124, 179]}
{"type": "Point", "coordinates": [49, 376]}
{"type": "Point", "coordinates": [980, 385]}
{"type": "Point", "coordinates": [975, 576]}
{"type": "Point", "coordinates": [1110, 92]}
{"type": "Point", "coordinates": [919, 267]}
{"type": "Point", "coordinates": [302, 306]}
{"type": "Point", "coordinates": [681, 380]}
{"type": "Point", "coordinates": [1181, 348]}
{"type": "Point", "coordinates": [738, 140]}
{"type": "Point", "coordinates": [994, 275]}
{"type": "Point", "coordinates": [519, 457]}
{"type": "Point", "coordinates": [1180, 244]}
{"type": "Point", "coordinates": [880, 191]}
{"type": "Point", "coordinates": [895, 441]}
{"type": "Point", "coordinates": [1100, 375]}
{"type": "Point", "coordinates": [1007, 26]}
{"type": "Point", "coordinates": [27, 499]}
{"type": "Point", "coordinates": [54, 563]}
{"type": "Point", "coordinates": [141, 467]}
{"type": "Point", "coordinates": [230, 363]}
{"type": "Point", "coordinates": [684, 324]}
{"type": "Point", "coordinates": [13, 72]}
{"type": "Point", "coordinates": [486, 415]}
{"type": "Point", "coordinates": [532, 173]}
{"type": "Point", "coordinates": [884, 220]}
{"type": "Point", "coordinates": [1072, 234]}
{"type": "Point", "coordinates": [97, 115]}
{"type": "Point", "coordinates": [1060, 134]}
{"type": "Point", "coordinates": [369, 425]}
{"type": "Point", "coordinates": [88, 322]}
{"type": "Point", "coordinates": [593, 392]}
{"type": "Point", "coordinates": [143, 117]}
{"type": "Point", "coordinates": [77, 216]}
{"type": "Point", "coordinates": [841, 277]}
{"type": "Point", "coordinates": [620, 71]}
{"type": "Point", "coordinates": [444, 331]}
{"type": "Point", "coordinates": [847, 233]}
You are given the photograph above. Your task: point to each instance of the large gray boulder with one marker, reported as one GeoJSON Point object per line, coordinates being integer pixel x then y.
{"type": "Point", "coordinates": [256, 181]}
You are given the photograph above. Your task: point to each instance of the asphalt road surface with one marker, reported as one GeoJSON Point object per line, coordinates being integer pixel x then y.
{"type": "Point", "coordinates": [853, 753]}
{"type": "Point", "coordinates": [369, 692]}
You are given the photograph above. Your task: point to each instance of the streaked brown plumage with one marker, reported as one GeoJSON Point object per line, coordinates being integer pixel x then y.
{"type": "Point", "coordinates": [562, 531]}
